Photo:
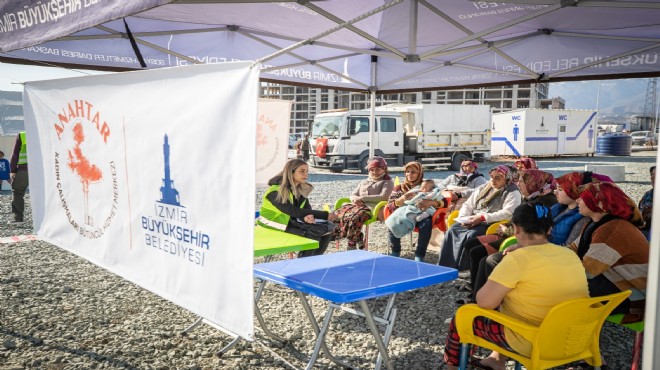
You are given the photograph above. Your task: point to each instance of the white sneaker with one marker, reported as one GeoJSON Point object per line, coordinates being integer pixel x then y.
{"type": "Point", "coordinates": [16, 223]}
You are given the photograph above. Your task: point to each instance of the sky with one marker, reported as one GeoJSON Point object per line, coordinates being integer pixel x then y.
{"type": "Point", "coordinates": [606, 95]}
{"type": "Point", "coordinates": [12, 76]}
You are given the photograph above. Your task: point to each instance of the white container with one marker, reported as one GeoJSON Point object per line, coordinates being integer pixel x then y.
{"type": "Point", "coordinates": [543, 132]}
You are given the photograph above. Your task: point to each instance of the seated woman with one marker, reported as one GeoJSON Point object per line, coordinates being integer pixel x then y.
{"type": "Point", "coordinates": [646, 206]}
{"type": "Point", "coordinates": [285, 207]}
{"type": "Point", "coordinates": [460, 186]}
{"type": "Point", "coordinates": [491, 202]}
{"type": "Point", "coordinates": [535, 186]}
{"type": "Point", "coordinates": [514, 286]}
{"type": "Point", "coordinates": [567, 224]}
{"type": "Point", "coordinates": [350, 217]}
{"type": "Point", "coordinates": [415, 211]}
{"type": "Point", "coordinates": [613, 250]}
{"type": "Point", "coordinates": [525, 163]}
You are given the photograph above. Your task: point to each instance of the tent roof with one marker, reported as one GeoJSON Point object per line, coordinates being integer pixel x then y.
{"type": "Point", "coordinates": [415, 44]}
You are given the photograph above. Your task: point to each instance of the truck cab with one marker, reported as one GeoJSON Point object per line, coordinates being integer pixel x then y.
{"type": "Point", "coordinates": [340, 140]}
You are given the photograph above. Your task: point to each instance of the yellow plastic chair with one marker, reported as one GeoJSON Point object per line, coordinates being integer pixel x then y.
{"type": "Point", "coordinates": [638, 327]}
{"type": "Point", "coordinates": [568, 333]}
{"type": "Point", "coordinates": [494, 227]}
{"type": "Point", "coordinates": [452, 218]}
{"type": "Point", "coordinates": [374, 217]}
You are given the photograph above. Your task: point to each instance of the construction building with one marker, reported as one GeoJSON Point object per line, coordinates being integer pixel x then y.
{"type": "Point", "coordinates": [308, 101]}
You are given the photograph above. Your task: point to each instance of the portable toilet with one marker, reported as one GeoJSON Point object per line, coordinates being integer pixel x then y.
{"type": "Point", "coordinates": [543, 132]}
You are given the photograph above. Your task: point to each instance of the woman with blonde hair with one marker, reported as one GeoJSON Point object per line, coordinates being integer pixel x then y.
{"type": "Point", "coordinates": [285, 207]}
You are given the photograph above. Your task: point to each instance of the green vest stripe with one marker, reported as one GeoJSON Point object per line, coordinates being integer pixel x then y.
{"type": "Point", "coordinates": [269, 214]}
{"type": "Point", "coordinates": [22, 155]}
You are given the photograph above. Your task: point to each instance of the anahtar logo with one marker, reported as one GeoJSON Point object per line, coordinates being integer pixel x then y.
{"type": "Point", "coordinates": [169, 230]}
{"type": "Point", "coordinates": [82, 168]}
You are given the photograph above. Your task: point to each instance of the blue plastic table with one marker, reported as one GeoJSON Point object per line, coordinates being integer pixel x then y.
{"type": "Point", "coordinates": [353, 276]}
{"type": "Point", "coordinates": [267, 242]}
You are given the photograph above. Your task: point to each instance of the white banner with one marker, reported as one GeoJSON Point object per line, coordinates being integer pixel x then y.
{"type": "Point", "coordinates": [151, 175]}
{"type": "Point", "coordinates": [272, 138]}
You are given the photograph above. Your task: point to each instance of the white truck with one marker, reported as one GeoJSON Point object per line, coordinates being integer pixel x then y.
{"type": "Point", "coordinates": [436, 135]}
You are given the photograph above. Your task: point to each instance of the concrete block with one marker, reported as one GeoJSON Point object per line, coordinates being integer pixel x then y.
{"type": "Point", "coordinates": [616, 172]}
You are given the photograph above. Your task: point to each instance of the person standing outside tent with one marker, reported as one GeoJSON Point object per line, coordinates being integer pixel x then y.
{"type": "Point", "coordinates": [19, 178]}
{"type": "Point", "coordinates": [304, 147]}
{"type": "Point", "coordinates": [4, 169]}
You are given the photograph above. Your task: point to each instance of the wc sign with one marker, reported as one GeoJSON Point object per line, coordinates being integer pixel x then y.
{"type": "Point", "coordinates": [516, 118]}
{"type": "Point", "coordinates": [563, 117]}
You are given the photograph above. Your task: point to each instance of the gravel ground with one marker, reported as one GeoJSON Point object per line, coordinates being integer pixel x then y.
{"type": "Point", "coordinates": [58, 311]}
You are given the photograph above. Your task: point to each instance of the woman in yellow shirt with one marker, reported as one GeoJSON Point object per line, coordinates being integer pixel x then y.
{"type": "Point", "coordinates": [525, 285]}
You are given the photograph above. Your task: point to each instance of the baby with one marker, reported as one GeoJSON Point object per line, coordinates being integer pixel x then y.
{"type": "Point", "coordinates": [402, 221]}
{"type": "Point", "coordinates": [427, 190]}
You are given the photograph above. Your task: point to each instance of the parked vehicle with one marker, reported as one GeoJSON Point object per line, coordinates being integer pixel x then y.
{"type": "Point", "coordinates": [642, 138]}
{"type": "Point", "coordinates": [294, 138]}
{"type": "Point", "coordinates": [441, 135]}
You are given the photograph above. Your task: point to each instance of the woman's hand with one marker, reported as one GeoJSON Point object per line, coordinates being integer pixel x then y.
{"type": "Point", "coordinates": [473, 221]}
{"type": "Point", "coordinates": [424, 204]}
{"type": "Point", "coordinates": [358, 202]}
{"type": "Point", "coordinates": [332, 216]}
{"type": "Point", "coordinates": [309, 219]}
{"type": "Point", "coordinates": [511, 249]}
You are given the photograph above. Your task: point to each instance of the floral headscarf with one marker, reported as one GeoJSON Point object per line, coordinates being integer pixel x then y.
{"type": "Point", "coordinates": [469, 162]}
{"type": "Point", "coordinates": [407, 185]}
{"type": "Point", "coordinates": [536, 182]}
{"type": "Point", "coordinates": [504, 170]}
{"type": "Point", "coordinates": [605, 197]}
{"type": "Point", "coordinates": [378, 162]}
{"type": "Point", "coordinates": [525, 164]}
{"type": "Point", "coordinates": [571, 181]}
{"type": "Point", "coordinates": [488, 193]}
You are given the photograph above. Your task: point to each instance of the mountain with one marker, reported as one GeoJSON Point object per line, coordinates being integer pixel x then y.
{"type": "Point", "coordinates": [622, 97]}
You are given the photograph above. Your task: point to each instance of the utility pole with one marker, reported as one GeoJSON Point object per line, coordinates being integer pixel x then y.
{"type": "Point", "coordinates": [650, 105]}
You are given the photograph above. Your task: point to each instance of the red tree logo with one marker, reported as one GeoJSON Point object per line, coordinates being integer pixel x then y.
{"type": "Point", "coordinates": [87, 172]}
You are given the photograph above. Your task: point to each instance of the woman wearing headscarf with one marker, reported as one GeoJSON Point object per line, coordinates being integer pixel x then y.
{"type": "Point", "coordinates": [461, 185]}
{"type": "Point", "coordinates": [614, 252]}
{"type": "Point", "coordinates": [567, 226]}
{"type": "Point", "coordinates": [525, 286]}
{"type": "Point", "coordinates": [414, 175]}
{"type": "Point", "coordinates": [491, 202]}
{"type": "Point", "coordinates": [350, 217]}
{"type": "Point", "coordinates": [525, 163]}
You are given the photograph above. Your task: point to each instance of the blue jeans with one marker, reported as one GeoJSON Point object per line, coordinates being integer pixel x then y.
{"type": "Point", "coordinates": [425, 229]}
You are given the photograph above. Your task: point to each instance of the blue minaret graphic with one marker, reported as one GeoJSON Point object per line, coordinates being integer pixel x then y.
{"type": "Point", "coordinates": [168, 193]}
{"type": "Point", "coordinates": [590, 134]}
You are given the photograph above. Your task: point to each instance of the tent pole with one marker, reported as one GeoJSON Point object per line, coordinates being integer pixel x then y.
{"type": "Point", "coordinates": [372, 108]}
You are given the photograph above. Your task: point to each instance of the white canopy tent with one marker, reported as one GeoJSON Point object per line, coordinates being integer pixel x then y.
{"type": "Point", "coordinates": [367, 45]}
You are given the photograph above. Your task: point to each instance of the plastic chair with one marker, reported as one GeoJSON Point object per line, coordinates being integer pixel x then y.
{"type": "Point", "coordinates": [374, 217]}
{"type": "Point", "coordinates": [451, 219]}
{"type": "Point", "coordinates": [508, 242]}
{"type": "Point", "coordinates": [570, 332]}
{"type": "Point", "coordinates": [494, 227]}
{"type": "Point", "coordinates": [438, 220]}
{"type": "Point", "coordinates": [638, 327]}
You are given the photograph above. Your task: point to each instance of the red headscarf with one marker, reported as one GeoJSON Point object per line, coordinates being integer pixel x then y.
{"type": "Point", "coordinates": [378, 162]}
{"type": "Point", "coordinates": [536, 182]}
{"type": "Point", "coordinates": [605, 197]}
{"type": "Point", "coordinates": [571, 181]}
{"type": "Point", "coordinates": [525, 164]}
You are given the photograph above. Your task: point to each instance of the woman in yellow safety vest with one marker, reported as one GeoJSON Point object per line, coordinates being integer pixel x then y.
{"type": "Point", "coordinates": [285, 207]}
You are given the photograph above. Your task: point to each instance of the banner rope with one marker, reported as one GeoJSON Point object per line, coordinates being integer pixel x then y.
{"type": "Point", "coordinates": [17, 238]}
